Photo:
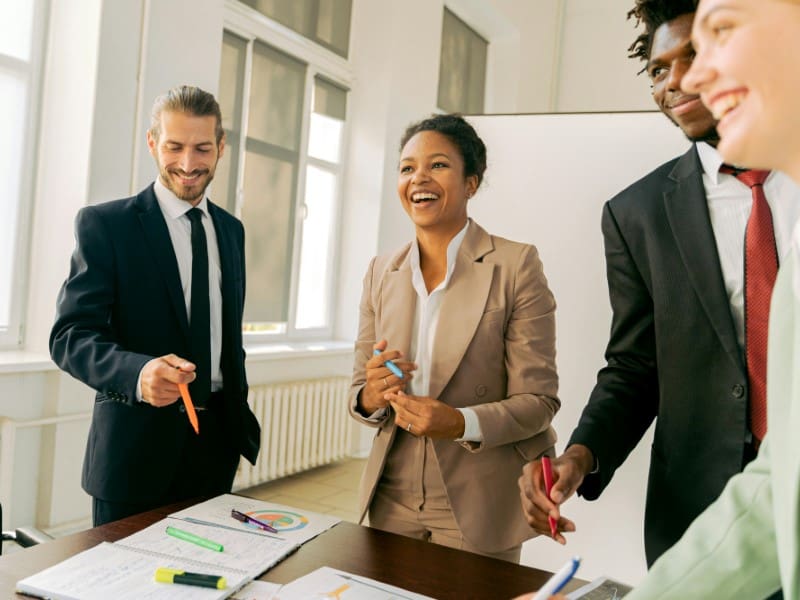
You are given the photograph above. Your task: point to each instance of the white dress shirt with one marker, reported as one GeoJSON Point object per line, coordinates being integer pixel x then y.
{"type": "Point", "coordinates": [729, 204]}
{"type": "Point", "coordinates": [423, 332]}
{"type": "Point", "coordinates": [426, 321]}
{"type": "Point", "coordinates": [180, 232]}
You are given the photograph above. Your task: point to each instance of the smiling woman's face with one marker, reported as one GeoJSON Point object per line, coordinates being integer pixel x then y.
{"type": "Point", "coordinates": [747, 70]}
{"type": "Point", "coordinates": [431, 183]}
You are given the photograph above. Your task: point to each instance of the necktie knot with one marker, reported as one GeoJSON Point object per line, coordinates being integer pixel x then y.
{"type": "Point", "coordinates": [195, 215]}
{"type": "Point", "coordinates": [749, 177]}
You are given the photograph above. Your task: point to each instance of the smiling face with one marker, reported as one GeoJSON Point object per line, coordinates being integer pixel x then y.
{"type": "Point", "coordinates": [186, 153]}
{"type": "Point", "coordinates": [432, 186]}
{"type": "Point", "coordinates": [748, 73]}
{"type": "Point", "coordinates": [671, 55]}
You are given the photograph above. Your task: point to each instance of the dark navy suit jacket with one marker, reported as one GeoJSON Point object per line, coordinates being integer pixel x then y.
{"type": "Point", "coordinates": [122, 305]}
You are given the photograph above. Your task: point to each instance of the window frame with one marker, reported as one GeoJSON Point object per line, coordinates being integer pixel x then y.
{"type": "Point", "coordinates": [12, 337]}
{"type": "Point", "coordinates": [251, 26]}
{"type": "Point", "coordinates": [453, 8]}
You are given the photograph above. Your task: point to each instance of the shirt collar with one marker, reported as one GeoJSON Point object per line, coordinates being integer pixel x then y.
{"type": "Point", "coordinates": [172, 206]}
{"type": "Point", "coordinates": [711, 161]}
{"type": "Point", "coordinates": [452, 252]}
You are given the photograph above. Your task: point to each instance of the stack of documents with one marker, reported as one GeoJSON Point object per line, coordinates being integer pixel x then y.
{"type": "Point", "coordinates": [202, 539]}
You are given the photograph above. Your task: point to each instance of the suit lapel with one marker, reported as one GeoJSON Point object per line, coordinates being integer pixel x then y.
{"type": "Point", "coordinates": [399, 301]}
{"type": "Point", "coordinates": [228, 266]}
{"type": "Point", "coordinates": [462, 307]}
{"type": "Point", "coordinates": [157, 236]}
{"type": "Point", "coordinates": [687, 212]}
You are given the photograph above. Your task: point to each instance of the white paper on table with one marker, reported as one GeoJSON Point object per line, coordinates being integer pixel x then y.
{"type": "Point", "coordinates": [328, 583]}
{"type": "Point", "coordinates": [601, 588]}
{"type": "Point", "coordinates": [113, 571]}
{"type": "Point", "coordinates": [242, 551]}
{"type": "Point", "coordinates": [293, 524]}
{"type": "Point", "coordinates": [257, 590]}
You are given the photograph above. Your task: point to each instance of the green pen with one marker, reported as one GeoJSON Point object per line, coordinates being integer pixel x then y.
{"type": "Point", "coordinates": [194, 539]}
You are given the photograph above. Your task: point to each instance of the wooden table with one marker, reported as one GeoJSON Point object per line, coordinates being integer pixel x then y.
{"type": "Point", "coordinates": [420, 567]}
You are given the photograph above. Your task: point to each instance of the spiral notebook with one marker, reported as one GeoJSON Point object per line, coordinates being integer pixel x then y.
{"type": "Point", "coordinates": [125, 570]}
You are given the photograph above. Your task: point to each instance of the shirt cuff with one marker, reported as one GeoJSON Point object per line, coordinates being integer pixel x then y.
{"type": "Point", "coordinates": [472, 426]}
{"type": "Point", "coordinates": [139, 396]}
{"type": "Point", "coordinates": [378, 415]}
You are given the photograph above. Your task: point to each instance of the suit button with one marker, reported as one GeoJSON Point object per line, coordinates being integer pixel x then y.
{"type": "Point", "coordinates": [480, 390]}
{"type": "Point", "coordinates": [737, 391]}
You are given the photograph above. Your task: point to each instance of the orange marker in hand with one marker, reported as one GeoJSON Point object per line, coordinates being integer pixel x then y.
{"type": "Point", "coordinates": [547, 471]}
{"type": "Point", "coordinates": [189, 405]}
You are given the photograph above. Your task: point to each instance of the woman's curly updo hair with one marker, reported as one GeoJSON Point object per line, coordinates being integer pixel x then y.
{"type": "Point", "coordinates": [456, 129]}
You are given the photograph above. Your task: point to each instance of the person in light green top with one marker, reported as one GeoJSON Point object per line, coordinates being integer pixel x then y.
{"type": "Point", "coordinates": [747, 544]}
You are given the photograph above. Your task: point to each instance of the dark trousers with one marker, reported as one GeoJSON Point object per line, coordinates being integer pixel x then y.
{"type": "Point", "coordinates": [207, 468]}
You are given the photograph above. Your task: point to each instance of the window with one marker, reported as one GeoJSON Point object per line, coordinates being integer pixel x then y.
{"type": "Point", "coordinates": [284, 117]}
{"type": "Point", "coordinates": [462, 68]}
{"type": "Point", "coordinates": [21, 35]}
{"type": "Point", "coordinates": [327, 22]}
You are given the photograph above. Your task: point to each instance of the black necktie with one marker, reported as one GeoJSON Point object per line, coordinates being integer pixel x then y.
{"type": "Point", "coordinates": [200, 314]}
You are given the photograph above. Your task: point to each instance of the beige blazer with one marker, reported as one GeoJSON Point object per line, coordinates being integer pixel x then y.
{"type": "Point", "coordinates": [494, 351]}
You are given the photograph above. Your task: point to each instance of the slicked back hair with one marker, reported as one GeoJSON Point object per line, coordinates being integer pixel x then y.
{"type": "Point", "coordinates": [653, 14]}
{"type": "Point", "coordinates": [190, 100]}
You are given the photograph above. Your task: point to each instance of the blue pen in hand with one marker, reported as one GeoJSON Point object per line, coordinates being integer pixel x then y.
{"type": "Point", "coordinates": [390, 365]}
{"type": "Point", "coordinates": [559, 580]}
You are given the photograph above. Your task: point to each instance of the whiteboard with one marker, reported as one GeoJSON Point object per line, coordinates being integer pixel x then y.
{"type": "Point", "coordinates": [548, 177]}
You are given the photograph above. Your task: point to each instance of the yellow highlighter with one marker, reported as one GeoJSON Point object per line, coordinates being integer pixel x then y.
{"type": "Point", "coordinates": [165, 575]}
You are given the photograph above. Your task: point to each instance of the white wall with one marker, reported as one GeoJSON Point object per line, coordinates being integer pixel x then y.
{"type": "Point", "coordinates": [595, 74]}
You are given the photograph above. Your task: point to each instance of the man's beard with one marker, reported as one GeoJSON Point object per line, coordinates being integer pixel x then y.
{"type": "Point", "coordinates": [187, 193]}
{"type": "Point", "coordinates": [711, 136]}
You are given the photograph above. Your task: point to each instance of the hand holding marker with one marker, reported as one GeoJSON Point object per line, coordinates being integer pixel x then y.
{"type": "Point", "coordinates": [390, 365]}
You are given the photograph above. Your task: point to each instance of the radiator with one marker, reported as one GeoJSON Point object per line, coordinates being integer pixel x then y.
{"type": "Point", "coordinates": [304, 424]}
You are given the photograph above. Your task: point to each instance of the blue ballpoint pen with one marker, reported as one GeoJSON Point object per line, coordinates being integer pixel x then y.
{"type": "Point", "coordinates": [559, 580]}
{"type": "Point", "coordinates": [390, 365]}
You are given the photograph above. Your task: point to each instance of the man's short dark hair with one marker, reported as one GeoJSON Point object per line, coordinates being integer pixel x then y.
{"type": "Point", "coordinates": [653, 14]}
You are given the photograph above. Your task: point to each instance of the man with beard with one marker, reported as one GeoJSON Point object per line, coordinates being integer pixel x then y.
{"type": "Point", "coordinates": [154, 299]}
{"type": "Point", "coordinates": [674, 244]}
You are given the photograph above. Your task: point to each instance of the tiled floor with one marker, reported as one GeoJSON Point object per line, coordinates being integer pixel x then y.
{"type": "Point", "coordinates": [332, 489]}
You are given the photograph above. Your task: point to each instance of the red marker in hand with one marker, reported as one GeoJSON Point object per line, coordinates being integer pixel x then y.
{"type": "Point", "coordinates": [547, 470]}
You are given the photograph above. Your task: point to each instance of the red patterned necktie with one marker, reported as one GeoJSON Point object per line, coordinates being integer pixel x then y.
{"type": "Point", "coordinates": [760, 270]}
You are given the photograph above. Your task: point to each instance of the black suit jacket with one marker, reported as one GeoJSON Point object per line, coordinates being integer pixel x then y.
{"type": "Point", "coordinates": [672, 353]}
{"type": "Point", "coordinates": [122, 305]}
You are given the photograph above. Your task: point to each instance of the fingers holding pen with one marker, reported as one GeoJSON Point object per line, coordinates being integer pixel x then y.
{"type": "Point", "coordinates": [160, 378]}
{"type": "Point", "coordinates": [537, 507]}
{"type": "Point", "coordinates": [386, 373]}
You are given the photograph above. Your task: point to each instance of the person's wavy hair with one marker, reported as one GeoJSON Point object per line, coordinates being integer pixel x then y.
{"type": "Point", "coordinates": [653, 14]}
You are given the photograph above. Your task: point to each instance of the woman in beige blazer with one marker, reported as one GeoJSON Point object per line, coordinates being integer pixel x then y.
{"type": "Point", "coordinates": [474, 314]}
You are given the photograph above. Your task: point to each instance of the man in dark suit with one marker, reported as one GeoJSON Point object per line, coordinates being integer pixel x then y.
{"type": "Point", "coordinates": [674, 252]}
{"type": "Point", "coordinates": [154, 299]}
